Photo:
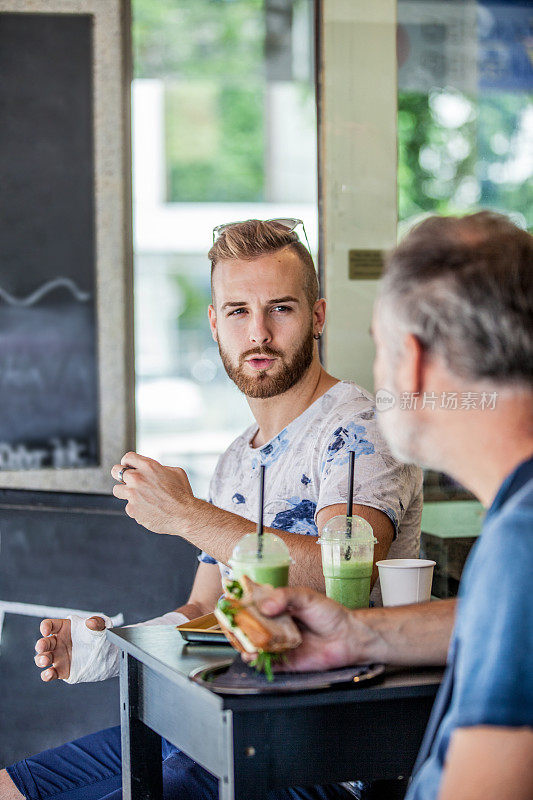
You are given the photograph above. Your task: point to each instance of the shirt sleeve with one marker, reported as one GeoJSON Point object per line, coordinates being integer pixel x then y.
{"type": "Point", "coordinates": [205, 558]}
{"type": "Point", "coordinates": [380, 481]}
{"type": "Point", "coordinates": [494, 672]}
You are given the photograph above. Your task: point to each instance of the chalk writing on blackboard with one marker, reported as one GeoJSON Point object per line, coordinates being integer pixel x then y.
{"type": "Point", "coordinates": [48, 380]}
{"type": "Point", "coordinates": [56, 453]}
{"type": "Point", "coordinates": [42, 291]}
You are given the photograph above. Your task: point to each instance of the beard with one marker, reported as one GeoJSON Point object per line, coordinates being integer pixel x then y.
{"type": "Point", "coordinates": [287, 373]}
{"type": "Point", "coordinates": [407, 436]}
{"type": "Point", "coordinates": [400, 434]}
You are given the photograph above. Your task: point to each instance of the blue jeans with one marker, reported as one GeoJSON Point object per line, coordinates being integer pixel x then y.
{"type": "Point", "coordinates": [90, 769]}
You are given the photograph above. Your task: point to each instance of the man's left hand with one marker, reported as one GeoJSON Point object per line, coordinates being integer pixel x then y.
{"type": "Point", "coordinates": [158, 497]}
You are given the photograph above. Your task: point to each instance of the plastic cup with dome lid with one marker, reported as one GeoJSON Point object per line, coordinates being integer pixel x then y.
{"type": "Point", "coordinates": [270, 566]}
{"type": "Point", "coordinates": [347, 545]}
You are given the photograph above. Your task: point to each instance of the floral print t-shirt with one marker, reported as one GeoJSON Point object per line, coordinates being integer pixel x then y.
{"type": "Point", "coordinates": [307, 470]}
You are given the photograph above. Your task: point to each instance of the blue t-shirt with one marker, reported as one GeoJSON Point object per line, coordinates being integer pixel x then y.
{"type": "Point", "coordinates": [489, 677]}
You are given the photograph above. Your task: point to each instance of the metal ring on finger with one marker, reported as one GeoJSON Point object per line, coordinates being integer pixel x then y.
{"type": "Point", "coordinates": [121, 473]}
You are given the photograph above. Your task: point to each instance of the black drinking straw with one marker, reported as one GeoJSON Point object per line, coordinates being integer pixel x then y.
{"type": "Point", "coordinates": [260, 515]}
{"type": "Point", "coordinates": [349, 504]}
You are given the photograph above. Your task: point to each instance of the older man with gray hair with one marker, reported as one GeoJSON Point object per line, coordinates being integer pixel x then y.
{"type": "Point", "coordinates": [454, 321]}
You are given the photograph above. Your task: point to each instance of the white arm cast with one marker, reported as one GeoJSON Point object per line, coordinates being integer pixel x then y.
{"type": "Point", "coordinates": [93, 657]}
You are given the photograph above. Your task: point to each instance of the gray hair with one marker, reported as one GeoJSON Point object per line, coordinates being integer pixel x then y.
{"type": "Point", "coordinates": [464, 288]}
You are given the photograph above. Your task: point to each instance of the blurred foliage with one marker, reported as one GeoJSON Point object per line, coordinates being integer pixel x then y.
{"type": "Point", "coordinates": [198, 39]}
{"type": "Point", "coordinates": [194, 300]}
{"type": "Point", "coordinates": [229, 166]}
{"type": "Point", "coordinates": [210, 55]}
{"type": "Point", "coordinates": [505, 166]}
{"type": "Point", "coordinates": [427, 184]}
{"type": "Point", "coordinates": [454, 168]}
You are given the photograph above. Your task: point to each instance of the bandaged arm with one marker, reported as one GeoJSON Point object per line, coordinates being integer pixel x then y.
{"type": "Point", "coordinates": [93, 657]}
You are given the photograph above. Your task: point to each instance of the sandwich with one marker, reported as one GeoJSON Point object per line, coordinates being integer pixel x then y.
{"type": "Point", "coordinates": [250, 631]}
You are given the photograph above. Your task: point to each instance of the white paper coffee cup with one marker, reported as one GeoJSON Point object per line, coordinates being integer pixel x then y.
{"type": "Point", "coordinates": [405, 580]}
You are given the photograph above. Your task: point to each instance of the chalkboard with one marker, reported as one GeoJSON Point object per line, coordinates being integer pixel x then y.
{"type": "Point", "coordinates": [48, 339]}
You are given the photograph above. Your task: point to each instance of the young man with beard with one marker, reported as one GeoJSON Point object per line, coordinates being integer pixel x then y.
{"type": "Point", "coordinates": [455, 320]}
{"type": "Point", "coordinates": [267, 318]}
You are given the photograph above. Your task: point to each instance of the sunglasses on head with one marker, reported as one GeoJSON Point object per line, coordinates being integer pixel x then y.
{"type": "Point", "coordinates": [289, 223]}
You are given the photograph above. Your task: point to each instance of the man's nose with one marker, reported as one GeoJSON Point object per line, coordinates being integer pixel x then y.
{"type": "Point", "coordinates": [259, 331]}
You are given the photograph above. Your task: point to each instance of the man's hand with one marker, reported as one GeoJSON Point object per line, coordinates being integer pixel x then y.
{"type": "Point", "coordinates": [157, 496]}
{"type": "Point", "coordinates": [333, 636]}
{"type": "Point", "coordinates": [327, 628]}
{"type": "Point", "coordinates": [54, 652]}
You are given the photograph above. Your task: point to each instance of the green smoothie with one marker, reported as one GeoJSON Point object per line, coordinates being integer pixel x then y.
{"type": "Point", "coordinates": [348, 579]}
{"type": "Point", "coordinates": [348, 582]}
{"type": "Point", "coordinates": [270, 565]}
{"type": "Point", "coordinates": [260, 572]}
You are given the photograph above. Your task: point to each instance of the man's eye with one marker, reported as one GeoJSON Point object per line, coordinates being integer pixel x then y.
{"type": "Point", "coordinates": [283, 309]}
{"type": "Point", "coordinates": [236, 312]}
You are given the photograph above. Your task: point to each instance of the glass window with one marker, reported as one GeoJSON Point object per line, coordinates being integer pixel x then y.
{"type": "Point", "coordinates": [465, 120]}
{"type": "Point", "coordinates": [224, 129]}
{"type": "Point", "coordinates": [465, 134]}
{"type": "Point", "coordinates": [465, 108]}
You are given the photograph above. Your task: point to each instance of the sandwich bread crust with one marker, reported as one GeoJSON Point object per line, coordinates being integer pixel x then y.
{"type": "Point", "coordinates": [250, 631]}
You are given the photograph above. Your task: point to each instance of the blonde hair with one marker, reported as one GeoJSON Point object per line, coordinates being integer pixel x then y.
{"type": "Point", "coordinates": [248, 240]}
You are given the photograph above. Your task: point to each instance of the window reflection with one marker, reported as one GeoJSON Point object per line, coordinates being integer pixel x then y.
{"type": "Point", "coordinates": [465, 133]}
{"type": "Point", "coordinates": [465, 110]}
{"type": "Point", "coordinates": [465, 120]}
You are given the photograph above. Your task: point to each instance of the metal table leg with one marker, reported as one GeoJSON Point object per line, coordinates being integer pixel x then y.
{"type": "Point", "coordinates": [142, 772]}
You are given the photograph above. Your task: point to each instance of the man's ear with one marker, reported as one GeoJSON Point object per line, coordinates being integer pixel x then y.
{"type": "Point", "coordinates": [319, 315]}
{"type": "Point", "coordinates": [213, 322]}
{"type": "Point", "coordinates": [412, 365]}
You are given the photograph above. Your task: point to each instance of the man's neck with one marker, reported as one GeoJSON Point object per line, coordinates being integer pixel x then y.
{"type": "Point", "coordinates": [489, 476]}
{"type": "Point", "coordinates": [275, 413]}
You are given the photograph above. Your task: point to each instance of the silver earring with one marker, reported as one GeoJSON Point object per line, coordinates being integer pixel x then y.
{"type": "Point", "coordinates": [317, 336]}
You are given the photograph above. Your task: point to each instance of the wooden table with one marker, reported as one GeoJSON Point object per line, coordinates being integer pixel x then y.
{"type": "Point", "coordinates": [256, 743]}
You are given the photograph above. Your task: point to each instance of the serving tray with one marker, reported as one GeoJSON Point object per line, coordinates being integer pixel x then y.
{"type": "Point", "coordinates": [202, 629]}
{"type": "Point", "coordinates": [233, 676]}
